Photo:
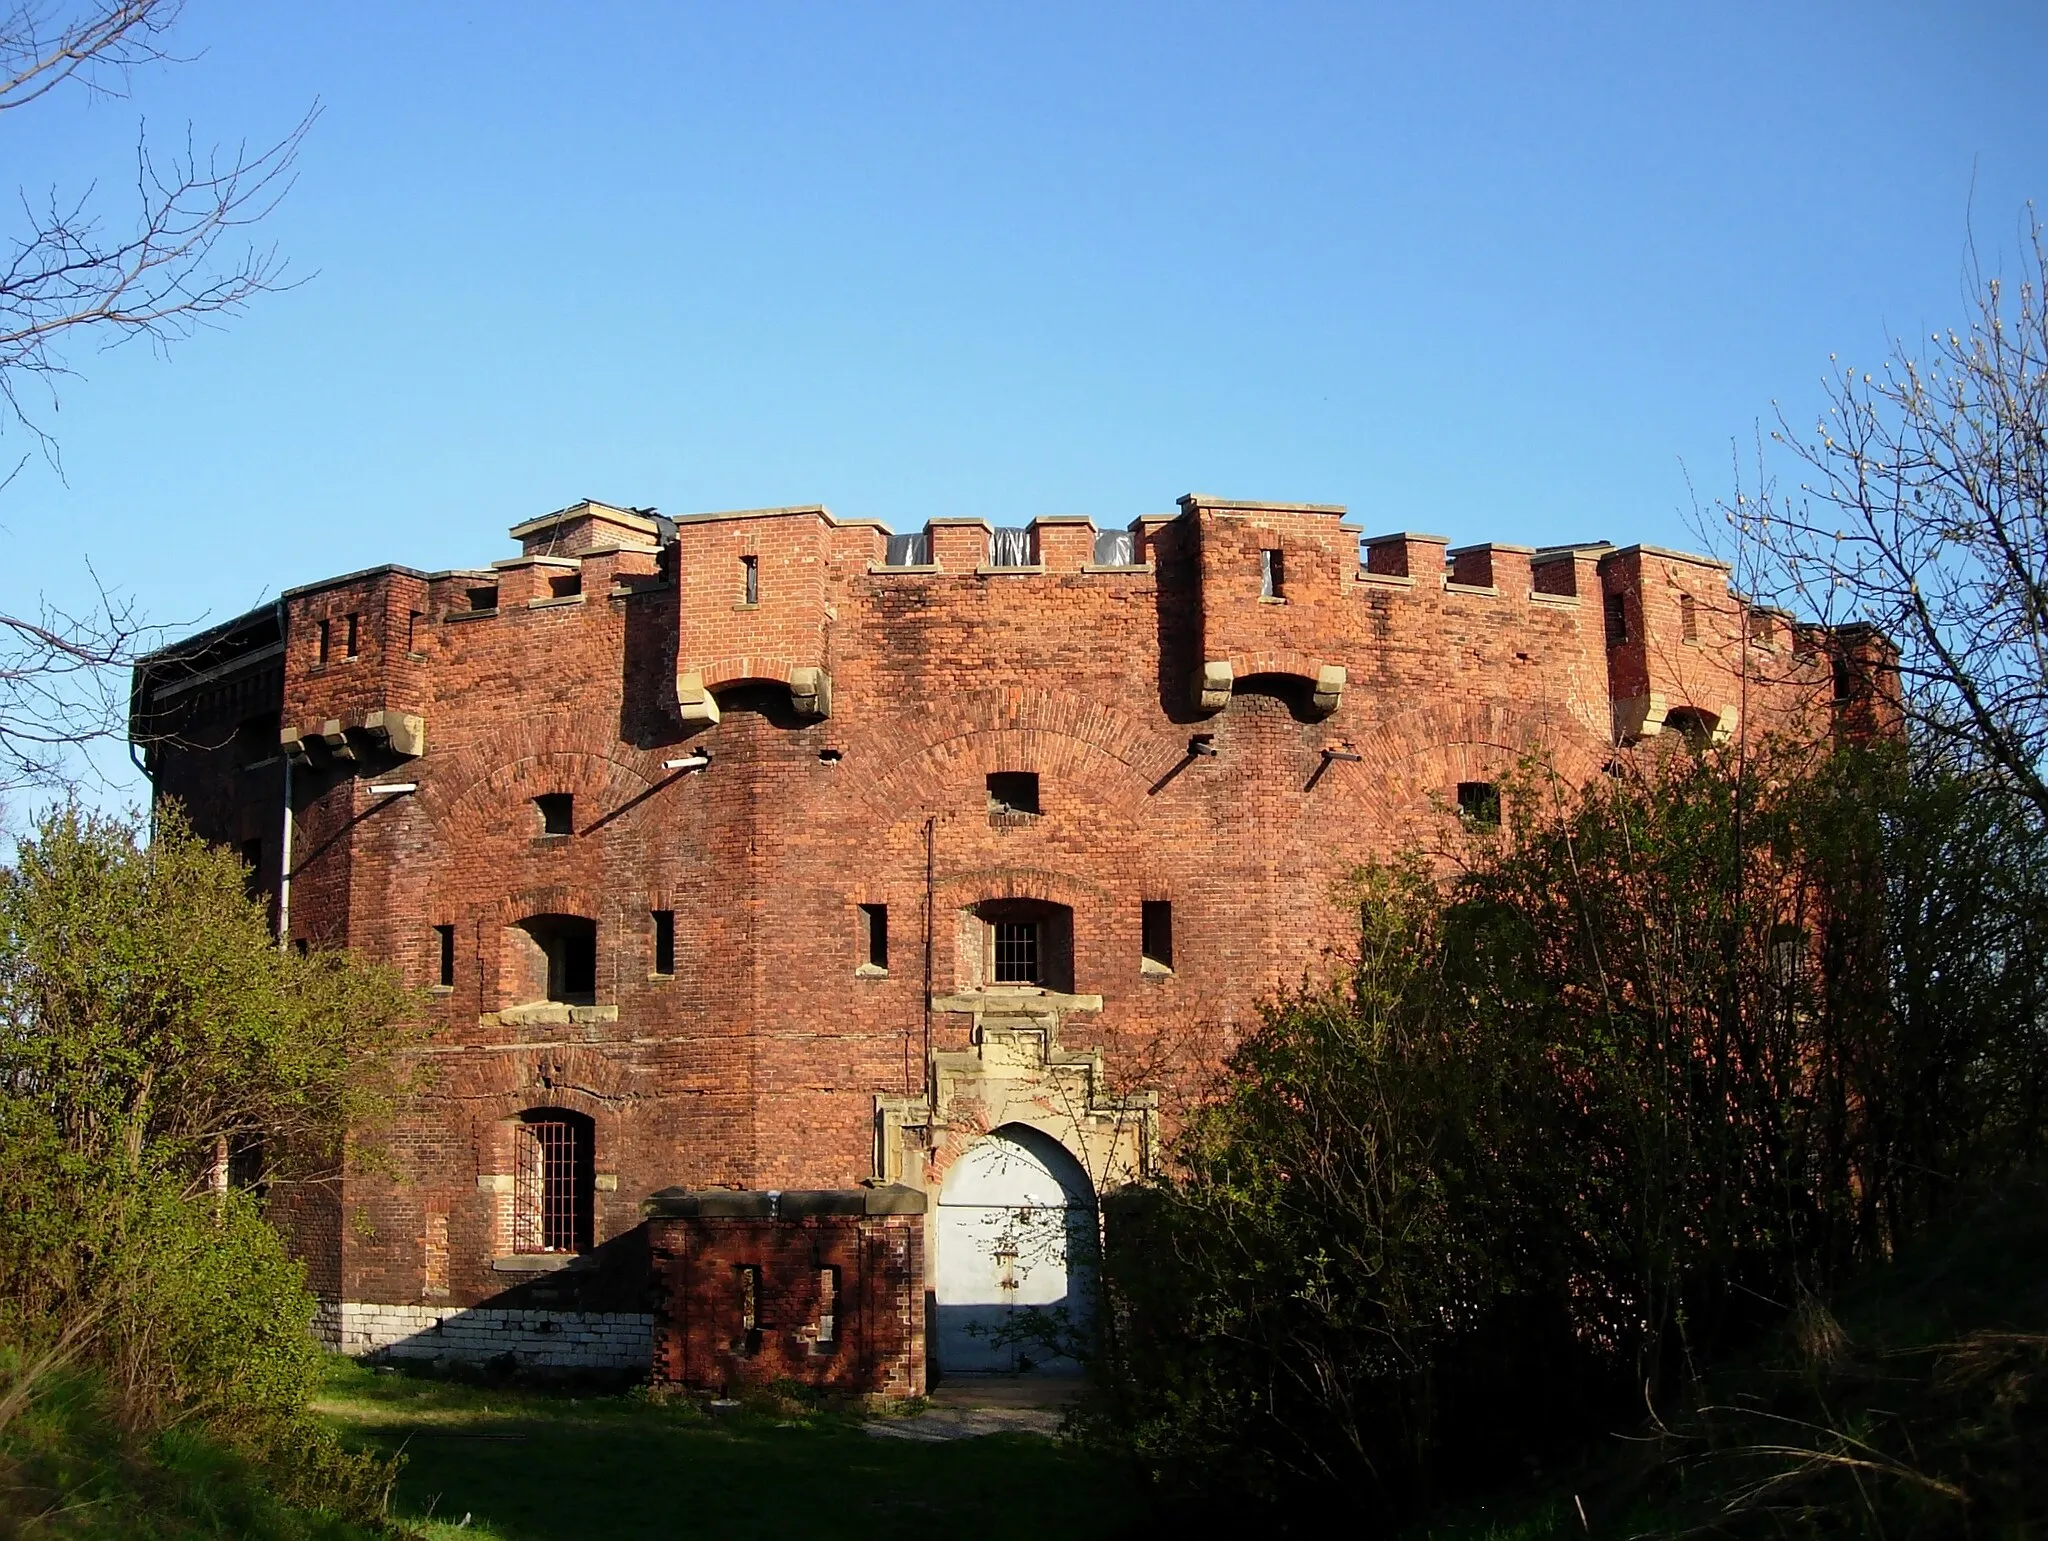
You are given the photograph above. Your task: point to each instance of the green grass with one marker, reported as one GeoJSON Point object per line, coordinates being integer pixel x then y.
{"type": "Point", "coordinates": [533, 1465]}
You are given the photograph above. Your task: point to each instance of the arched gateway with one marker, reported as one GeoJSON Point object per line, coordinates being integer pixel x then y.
{"type": "Point", "coordinates": [1016, 1230]}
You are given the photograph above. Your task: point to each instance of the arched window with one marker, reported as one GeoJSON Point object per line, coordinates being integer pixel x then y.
{"type": "Point", "coordinates": [552, 1155]}
{"type": "Point", "coordinates": [1693, 725]}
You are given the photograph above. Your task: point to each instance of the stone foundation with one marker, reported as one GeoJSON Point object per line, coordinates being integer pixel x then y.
{"type": "Point", "coordinates": [545, 1340]}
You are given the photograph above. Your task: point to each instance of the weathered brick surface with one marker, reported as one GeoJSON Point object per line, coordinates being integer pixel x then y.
{"type": "Point", "coordinates": [758, 1062]}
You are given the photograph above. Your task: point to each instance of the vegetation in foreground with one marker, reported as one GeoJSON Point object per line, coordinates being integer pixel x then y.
{"type": "Point", "coordinates": [505, 1463]}
{"type": "Point", "coordinates": [162, 1062]}
{"type": "Point", "coordinates": [1671, 1061]}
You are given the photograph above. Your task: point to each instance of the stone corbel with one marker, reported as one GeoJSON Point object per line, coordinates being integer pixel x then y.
{"type": "Point", "coordinates": [693, 701]}
{"type": "Point", "coordinates": [291, 743]}
{"type": "Point", "coordinates": [1212, 685]}
{"type": "Point", "coordinates": [1329, 692]}
{"type": "Point", "coordinates": [1640, 717]}
{"type": "Point", "coordinates": [334, 739]}
{"type": "Point", "coordinates": [403, 733]}
{"type": "Point", "coordinates": [810, 692]}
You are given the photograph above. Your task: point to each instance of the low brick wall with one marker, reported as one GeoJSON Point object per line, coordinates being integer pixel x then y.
{"type": "Point", "coordinates": [823, 1287]}
{"type": "Point", "coordinates": [537, 1339]}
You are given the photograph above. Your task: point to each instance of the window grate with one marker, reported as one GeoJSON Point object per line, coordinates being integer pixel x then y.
{"type": "Point", "coordinates": [1017, 952]}
{"type": "Point", "coordinates": [545, 1193]}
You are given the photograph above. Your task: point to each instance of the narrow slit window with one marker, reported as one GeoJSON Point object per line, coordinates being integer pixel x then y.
{"type": "Point", "coordinates": [326, 641]}
{"type": "Point", "coordinates": [1156, 931]}
{"type": "Point", "coordinates": [664, 941]}
{"type": "Point", "coordinates": [1013, 792]}
{"type": "Point", "coordinates": [1617, 620]}
{"type": "Point", "coordinates": [1688, 618]}
{"type": "Point", "coordinates": [557, 813]}
{"type": "Point", "coordinates": [1016, 945]}
{"type": "Point", "coordinates": [750, 580]}
{"type": "Point", "coordinates": [828, 1307]}
{"type": "Point", "coordinates": [747, 1285]}
{"type": "Point", "coordinates": [444, 949]}
{"type": "Point", "coordinates": [412, 630]}
{"type": "Point", "coordinates": [355, 635]}
{"type": "Point", "coordinates": [1479, 804]}
{"type": "Point", "coordinates": [874, 936]}
{"type": "Point", "coordinates": [1272, 575]}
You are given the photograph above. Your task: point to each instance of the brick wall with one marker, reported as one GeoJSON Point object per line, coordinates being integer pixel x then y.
{"type": "Point", "coordinates": [758, 1060]}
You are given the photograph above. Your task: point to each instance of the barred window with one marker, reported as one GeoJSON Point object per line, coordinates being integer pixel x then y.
{"type": "Point", "coordinates": [551, 1182]}
{"type": "Point", "coordinates": [1017, 952]}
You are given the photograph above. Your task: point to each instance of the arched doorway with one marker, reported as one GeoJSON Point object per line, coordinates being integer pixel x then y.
{"type": "Point", "coordinates": [1016, 1232]}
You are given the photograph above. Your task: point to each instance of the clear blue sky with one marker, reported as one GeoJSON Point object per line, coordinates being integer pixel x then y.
{"type": "Point", "coordinates": [1504, 271]}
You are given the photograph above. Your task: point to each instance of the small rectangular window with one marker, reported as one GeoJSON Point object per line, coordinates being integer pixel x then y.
{"type": "Point", "coordinates": [484, 597]}
{"type": "Point", "coordinates": [355, 636]}
{"type": "Point", "coordinates": [1688, 618]}
{"type": "Point", "coordinates": [412, 630]}
{"type": "Point", "coordinates": [874, 936]}
{"type": "Point", "coordinates": [557, 813]}
{"type": "Point", "coordinates": [1013, 792]}
{"type": "Point", "coordinates": [1272, 575]}
{"type": "Point", "coordinates": [750, 580]}
{"type": "Point", "coordinates": [1479, 804]}
{"type": "Point", "coordinates": [664, 941]}
{"type": "Point", "coordinates": [1617, 620]}
{"type": "Point", "coordinates": [1156, 929]}
{"type": "Point", "coordinates": [326, 641]}
{"type": "Point", "coordinates": [565, 585]}
{"type": "Point", "coordinates": [1016, 943]}
{"type": "Point", "coordinates": [444, 948]}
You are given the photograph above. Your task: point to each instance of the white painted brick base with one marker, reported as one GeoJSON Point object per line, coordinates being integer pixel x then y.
{"type": "Point", "coordinates": [578, 1340]}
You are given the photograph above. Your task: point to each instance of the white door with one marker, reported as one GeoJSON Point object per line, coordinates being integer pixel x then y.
{"type": "Point", "coordinates": [1016, 1243]}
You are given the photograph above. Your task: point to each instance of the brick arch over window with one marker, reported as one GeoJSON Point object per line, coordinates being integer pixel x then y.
{"type": "Point", "coordinates": [498, 1087]}
{"type": "Point", "coordinates": [465, 792]}
{"type": "Point", "coordinates": [1102, 753]}
{"type": "Point", "coordinates": [1282, 661]}
{"type": "Point", "coordinates": [747, 669]}
{"type": "Point", "coordinates": [1415, 761]}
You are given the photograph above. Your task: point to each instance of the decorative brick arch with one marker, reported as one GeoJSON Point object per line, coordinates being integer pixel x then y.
{"type": "Point", "coordinates": [919, 753]}
{"type": "Point", "coordinates": [957, 890]}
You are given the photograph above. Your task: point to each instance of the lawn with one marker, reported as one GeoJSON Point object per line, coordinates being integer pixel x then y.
{"type": "Point", "coordinates": [524, 1464]}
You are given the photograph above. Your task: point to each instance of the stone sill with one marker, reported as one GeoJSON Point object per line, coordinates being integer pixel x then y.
{"type": "Point", "coordinates": [870, 971]}
{"type": "Point", "coordinates": [908, 567]}
{"type": "Point", "coordinates": [1152, 969]}
{"type": "Point", "coordinates": [554, 600]}
{"type": "Point", "coordinates": [1567, 601]}
{"type": "Point", "coordinates": [1028, 570]}
{"type": "Point", "coordinates": [1386, 580]}
{"type": "Point", "coordinates": [549, 1014]}
{"type": "Point", "coordinates": [469, 615]}
{"type": "Point", "coordinates": [1132, 567]}
{"type": "Point", "coordinates": [1272, 599]}
{"type": "Point", "coordinates": [538, 1262]}
{"type": "Point", "coordinates": [1473, 590]}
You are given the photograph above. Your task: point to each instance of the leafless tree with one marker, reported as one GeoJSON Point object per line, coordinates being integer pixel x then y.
{"type": "Point", "coordinates": [67, 276]}
{"type": "Point", "coordinates": [1926, 515]}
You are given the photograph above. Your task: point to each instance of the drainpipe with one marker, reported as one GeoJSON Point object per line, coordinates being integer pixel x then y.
{"type": "Point", "coordinates": [925, 1070]}
{"type": "Point", "coordinates": [284, 846]}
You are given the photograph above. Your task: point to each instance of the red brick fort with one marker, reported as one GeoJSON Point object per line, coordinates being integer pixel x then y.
{"type": "Point", "coordinates": [816, 921]}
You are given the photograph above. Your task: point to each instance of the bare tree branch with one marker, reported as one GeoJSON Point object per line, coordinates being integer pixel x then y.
{"type": "Point", "coordinates": [68, 275]}
{"type": "Point", "coordinates": [1926, 516]}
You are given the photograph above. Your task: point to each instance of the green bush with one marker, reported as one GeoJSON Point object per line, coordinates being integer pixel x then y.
{"type": "Point", "coordinates": [1681, 1052]}
{"type": "Point", "coordinates": [149, 1029]}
